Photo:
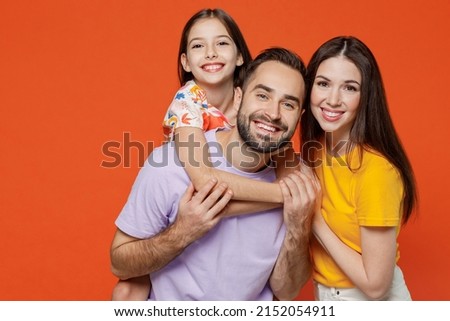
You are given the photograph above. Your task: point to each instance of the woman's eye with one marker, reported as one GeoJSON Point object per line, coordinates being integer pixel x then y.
{"type": "Point", "coordinates": [322, 83]}
{"type": "Point", "coordinates": [351, 88]}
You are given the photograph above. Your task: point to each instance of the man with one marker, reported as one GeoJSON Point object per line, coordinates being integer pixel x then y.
{"type": "Point", "coordinates": [191, 250]}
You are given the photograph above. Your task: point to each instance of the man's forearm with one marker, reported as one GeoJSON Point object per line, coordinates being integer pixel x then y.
{"type": "Point", "coordinates": [293, 267]}
{"type": "Point", "coordinates": [197, 215]}
{"type": "Point", "coordinates": [140, 257]}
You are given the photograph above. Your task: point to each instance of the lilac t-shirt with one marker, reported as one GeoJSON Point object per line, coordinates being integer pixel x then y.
{"type": "Point", "coordinates": [233, 261]}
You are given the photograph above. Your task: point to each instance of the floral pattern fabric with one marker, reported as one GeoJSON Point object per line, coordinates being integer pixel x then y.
{"type": "Point", "coordinates": [190, 108]}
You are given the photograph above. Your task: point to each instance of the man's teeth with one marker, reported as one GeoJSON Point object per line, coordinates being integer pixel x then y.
{"type": "Point", "coordinates": [266, 127]}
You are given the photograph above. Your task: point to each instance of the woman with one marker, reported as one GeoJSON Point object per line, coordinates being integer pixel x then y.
{"type": "Point", "coordinates": [367, 181]}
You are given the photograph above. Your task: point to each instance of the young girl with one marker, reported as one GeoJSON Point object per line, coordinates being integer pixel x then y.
{"type": "Point", "coordinates": [212, 55]}
{"type": "Point", "coordinates": [367, 182]}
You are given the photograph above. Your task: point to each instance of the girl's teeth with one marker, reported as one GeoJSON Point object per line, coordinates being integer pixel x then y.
{"type": "Point", "coordinates": [212, 67]}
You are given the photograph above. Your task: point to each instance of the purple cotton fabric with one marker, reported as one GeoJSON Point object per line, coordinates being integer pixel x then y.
{"type": "Point", "coordinates": [231, 262]}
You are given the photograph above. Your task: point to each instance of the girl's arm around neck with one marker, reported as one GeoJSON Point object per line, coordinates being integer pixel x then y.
{"type": "Point", "coordinates": [193, 152]}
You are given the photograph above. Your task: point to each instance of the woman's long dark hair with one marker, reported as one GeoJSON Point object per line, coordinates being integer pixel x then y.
{"type": "Point", "coordinates": [373, 127]}
{"type": "Point", "coordinates": [235, 34]}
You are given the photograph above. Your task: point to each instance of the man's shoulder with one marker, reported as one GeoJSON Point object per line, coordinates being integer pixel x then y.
{"type": "Point", "coordinates": [163, 156]}
{"type": "Point", "coordinates": [211, 135]}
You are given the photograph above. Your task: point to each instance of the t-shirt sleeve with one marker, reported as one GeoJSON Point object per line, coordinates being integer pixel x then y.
{"type": "Point", "coordinates": [379, 194]}
{"type": "Point", "coordinates": [149, 208]}
{"type": "Point", "coordinates": [186, 109]}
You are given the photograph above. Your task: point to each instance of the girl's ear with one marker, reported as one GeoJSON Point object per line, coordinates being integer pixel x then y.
{"type": "Point", "coordinates": [239, 60]}
{"type": "Point", "coordinates": [185, 62]}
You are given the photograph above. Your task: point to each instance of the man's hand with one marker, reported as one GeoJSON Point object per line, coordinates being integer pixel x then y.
{"type": "Point", "coordinates": [293, 266]}
{"type": "Point", "coordinates": [199, 212]}
{"type": "Point", "coordinates": [300, 192]}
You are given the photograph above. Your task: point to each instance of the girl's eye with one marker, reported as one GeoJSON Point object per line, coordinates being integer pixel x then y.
{"type": "Point", "coordinates": [223, 43]}
{"type": "Point", "coordinates": [322, 83]}
{"type": "Point", "coordinates": [196, 46]}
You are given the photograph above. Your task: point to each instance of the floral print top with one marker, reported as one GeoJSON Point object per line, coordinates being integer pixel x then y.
{"type": "Point", "coordinates": [190, 108]}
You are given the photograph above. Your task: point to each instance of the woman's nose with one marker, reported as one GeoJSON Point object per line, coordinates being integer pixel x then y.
{"type": "Point", "coordinates": [334, 98]}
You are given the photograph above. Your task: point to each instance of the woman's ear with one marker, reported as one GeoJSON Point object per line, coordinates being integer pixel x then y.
{"type": "Point", "coordinates": [185, 62]}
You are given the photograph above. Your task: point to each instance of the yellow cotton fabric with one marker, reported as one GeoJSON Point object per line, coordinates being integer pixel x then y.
{"type": "Point", "coordinates": [370, 195]}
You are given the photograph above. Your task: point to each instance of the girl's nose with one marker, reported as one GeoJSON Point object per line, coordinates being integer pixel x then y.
{"type": "Point", "coordinates": [211, 53]}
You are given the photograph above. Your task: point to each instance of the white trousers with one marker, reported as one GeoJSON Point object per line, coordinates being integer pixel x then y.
{"type": "Point", "coordinates": [398, 292]}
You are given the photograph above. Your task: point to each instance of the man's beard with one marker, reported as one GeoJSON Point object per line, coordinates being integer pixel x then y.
{"type": "Point", "coordinates": [262, 143]}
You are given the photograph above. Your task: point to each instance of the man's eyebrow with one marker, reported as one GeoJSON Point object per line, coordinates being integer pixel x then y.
{"type": "Point", "coordinates": [293, 98]}
{"type": "Point", "coordinates": [263, 87]}
{"type": "Point", "coordinates": [269, 90]}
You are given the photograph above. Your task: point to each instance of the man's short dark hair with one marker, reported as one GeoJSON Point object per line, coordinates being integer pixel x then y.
{"type": "Point", "coordinates": [281, 55]}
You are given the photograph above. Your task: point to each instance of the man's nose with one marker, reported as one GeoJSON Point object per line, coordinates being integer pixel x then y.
{"type": "Point", "coordinates": [273, 111]}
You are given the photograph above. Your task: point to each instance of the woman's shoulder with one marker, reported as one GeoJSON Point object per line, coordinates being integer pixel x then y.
{"type": "Point", "coordinates": [376, 163]}
{"type": "Point", "coordinates": [374, 156]}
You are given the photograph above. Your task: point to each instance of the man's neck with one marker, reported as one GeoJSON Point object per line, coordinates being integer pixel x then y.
{"type": "Point", "coordinates": [239, 154]}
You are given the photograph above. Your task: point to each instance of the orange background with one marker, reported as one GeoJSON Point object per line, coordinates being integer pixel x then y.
{"type": "Point", "coordinates": [75, 75]}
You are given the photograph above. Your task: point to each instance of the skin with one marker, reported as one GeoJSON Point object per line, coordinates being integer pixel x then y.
{"type": "Point", "coordinates": [335, 96]}
{"type": "Point", "coordinates": [334, 103]}
{"type": "Point", "coordinates": [212, 57]}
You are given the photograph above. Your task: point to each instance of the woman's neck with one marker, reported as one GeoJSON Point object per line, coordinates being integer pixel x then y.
{"type": "Point", "coordinates": [335, 145]}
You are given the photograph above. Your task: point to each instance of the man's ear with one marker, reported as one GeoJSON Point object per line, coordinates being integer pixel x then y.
{"type": "Point", "coordinates": [185, 63]}
{"type": "Point", "coordinates": [237, 98]}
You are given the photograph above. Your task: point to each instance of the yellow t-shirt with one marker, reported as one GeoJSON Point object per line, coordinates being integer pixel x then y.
{"type": "Point", "coordinates": [370, 195]}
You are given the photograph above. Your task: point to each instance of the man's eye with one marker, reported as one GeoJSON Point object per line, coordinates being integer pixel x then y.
{"type": "Point", "coordinates": [261, 96]}
{"type": "Point", "coordinates": [289, 106]}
